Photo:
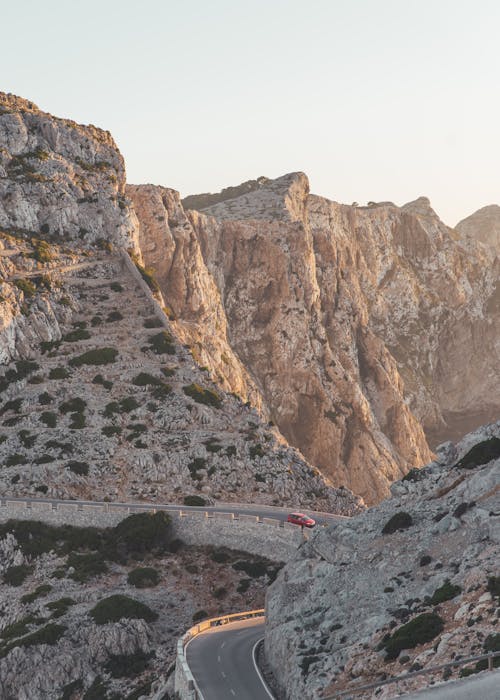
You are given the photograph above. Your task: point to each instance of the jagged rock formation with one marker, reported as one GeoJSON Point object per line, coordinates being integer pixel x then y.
{"type": "Point", "coordinates": [483, 225]}
{"type": "Point", "coordinates": [333, 615]}
{"type": "Point", "coordinates": [358, 325]}
{"type": "Point", "coordinates": [200, 201]}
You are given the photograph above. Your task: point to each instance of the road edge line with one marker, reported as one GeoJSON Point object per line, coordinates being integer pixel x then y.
{"type": "Point", "coordinates": [196, 687]}
{"type": "Point", "coordinates": [261, 677]}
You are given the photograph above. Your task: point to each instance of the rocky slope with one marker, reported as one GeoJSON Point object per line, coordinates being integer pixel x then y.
{"type": "Point", "coordinates": [99, 397]}
{"type": "Point", "coordinates": [51, 580]}
{"type": "Point", "coordinates": [409, 584]}
{"type": "Point", "coordinates": [357, 327]}
{"type": "Point", "coordinates": [483, 225]}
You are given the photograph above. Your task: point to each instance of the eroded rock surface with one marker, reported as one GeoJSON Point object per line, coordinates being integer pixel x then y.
{"type": "Point", "coordinates": [335, 605]}
{"type": "Point", "coordinates": [483, 225]}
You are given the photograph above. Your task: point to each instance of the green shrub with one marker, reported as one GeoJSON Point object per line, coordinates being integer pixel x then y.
{"type": "Point", "coordinates": [60, 607]}
{"type": "Point", "coordinates": [127, 665]}
{"type": "Point", "coordinates": [142, 532]}
{"type": "Point", "coordinates": [35, 538]}
{"type": "Point", "coordinates": [45, 399]}
{"type": "Point", "coordinates": [256, 451]}
{"type": "Point", "coordinates": [143, 577]}
{"type": "Point", "coordinates": [75, 405]}
{"type": "Point", "coordinates": [37, 593]}
{"type": "Point", "coordinates": [45, 459]}
{"type": "Point", "coordinates": [26, 286]}
{"type": "Point", "coordinates": [399, 521]}
{"type": "Point", "coordinates": [58, 373]}
{"type": "Point", "coordinates": [86, 566]}
{"type": "Point", "coordinates": [98, 356]}
{"type": "Point", "coordinates": [49, 418]}
{"type": "Point", "coordinates": [118, 607]}
{"type": "Point", "coordinates": [493, 586]}
{"type": "Point", "coordinates": [96, 320]}
{"type": "Point", "coordinates": [212, 446]}
{"type": "Point", "coordinates": [116, 287]}
{"type": "Point", "coordinates": [42, 488]}
{"type": "Point", "coordinates": [77, 421]}
{"type": "Point", "coordinates": [109, 430]}
{"type": "Point", "coordinates": [111, 408]}
{"type": "Point", "coordinates": [15, 459]}
{"type": "Point", "coordinates": [413, 475]}
{"type": "Point", "coordinates": [194, 501]}
{"type": "Point", "coordinates": [128, 404]}
{"type": "Point", "coordinates": [445, 592]}
{"type": "Point", "coordinates": [147, 275]}
{"type": "Point", "coordinates": [202, 395]}
{"type": "Point", "coordinates": [145, 379]}
{"type": "Point", "coordinates": [12, 405]}
{"type": "Point", "coordinates": [99, 379]}
{"type": "Point", "coordinates": [243, 585]}
{"type": "Point", "coordinates": [200, 615]}
{"type": "Point", "coordinates": [114, 316]}
{"type": "Point", "coordinates": [69, 690]}
{"type": "Point", "coordinates": [153, 322]}
{"type": "Point", "coordinates": [254, 569]}
{"type": "Point", "coordinates": [76, 335]}
{"type": "Point", "coordinates": [162, 343]}
{"type": "Point", "coordinates": [420, 630]}
{"type": "Point", "coordinates": [16, 575]}
{"type": "Point", "coordinates": [50, 634]}
{"type": "Point", "coordinates": [79, 468]}
{"type": "Point", "coordinates": [482, 453]}
{"type": "Point", "coordinates": [19, 628]}
{"type": "Point", "coordinates": [12, 421]}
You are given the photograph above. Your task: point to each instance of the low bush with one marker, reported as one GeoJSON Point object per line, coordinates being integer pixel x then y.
{"type": "Point", "coordinates": [12, 405]}
{"type": "Point", "coordinates": [493, 586]}
{"type": "Point", "coordinates": [58, 373]}
{"type": "Point", "coordinates": [202, 395]}
{"type": "Point", "coordinates": [254, 569]}
{"type": "Point", "coordinates": [45, 459]}
{"type": "Point", "coordinates": [26, 286]}
{"type": "Point", "coordinates": [19, 628]}
{"type": "Point", "coordinates": [399, 521]}
{"type": "Point", "coordinates": [118, 607]}
{"type": "Point", "coordinates": [199, 615]}
{"type": "Point", "coordinates": [243, 585]}
{"type": "Point", "coordinates": [256, 451]}
{"type": "Point", "coordinates": [99, 379]}
{"type": "Point", "coordinates": [128, 665]}
{"type": "Point", "coordinates": [50, 634]}
{"type": "Point", "coordinates": [143, 577]}
{"type": "Point", "coordinates": [142, 532]}
{"type": "Point", "coordinates": [26, 439]}
{"type": "Point", "coordinates": [194, 501]}
{"type": "Point", "coordinates": [37, 593]}
{"type": "Point", "coordinates": [76, 335]}
{"type": "Point", "coordinates": [45, 398]}
{"type": "Point", "coordinates": [145, 379]}
{"type": "Point", "coordinates": [480, 454]}
{"type": "Point", "coordinates": [77, 421]}
{"type": "Point", "coordinates": [78, 468]}
{"type": "Point", "coordinates": [421, 629]}
{"type": "Point", "coordinates": [116, 287]}
{"type": "Point", "coordinates": [86, 566]}
{"type": "Point", "coordinates": [114, 316]}
{"type": "Point", "coordinates": [153, 322]}
{"type": "Point", "coordinates": [17, 575]}
{"type": "Point", "coordinates": [60, 607]}
{"type": "Point", "coordinates": [98, 356]}
{"type": "Point", "coordinates": [110, 430]}
{"type": "Point", "coordinates": [445, 592]}
{"type": "Point", "coordinates": [162, 343]}
{"type": "Point", "coordinates": [75, 405]}
{"type": "Point", "coordinates": [96, 321]}
{"type": "Point", "coordinates": [15, 459]}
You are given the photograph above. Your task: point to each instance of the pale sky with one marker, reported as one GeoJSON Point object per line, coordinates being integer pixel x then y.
{"type": "Point", "coordinates": [373, 99]}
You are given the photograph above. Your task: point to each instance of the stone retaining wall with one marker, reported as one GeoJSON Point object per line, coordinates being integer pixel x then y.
{"type": "Point", "coordinates": [267, 538]}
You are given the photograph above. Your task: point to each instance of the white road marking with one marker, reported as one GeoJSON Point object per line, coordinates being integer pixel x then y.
{"type": "Point", "coordinates": [218, 658]}
{"type": "Point", "coordinates": [232, 691]}
{"type": "Point", "coordinates": [223, 674]}
{"type": "Point", "coordinates": [223, 645]}
{"type": "Point", "coordinates": [257, 669]}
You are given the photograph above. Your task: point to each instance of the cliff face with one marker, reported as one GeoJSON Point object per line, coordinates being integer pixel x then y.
{"type": "Point", "coordinates": [358, 326]}
{"type": "Point", "coordinates": [333, 615]}
{"type": "Point", "coordinates": [59, 177]}
{"type": "Point", "coordinates": [483, 225]}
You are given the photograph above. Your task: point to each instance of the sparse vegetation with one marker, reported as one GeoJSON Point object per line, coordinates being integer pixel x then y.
{"type": "Point", "coordinates": [162, 343]}
{"type": "Point", "coordinates": [143, 577]}
{"type": "Point", "coordinates": [399, 521]}
{"type": "Point", "coordinates": [78, 468]}
{"type": "Point", "coordinates": [202, 395]}
{"type": "Point", "coordinates": [76, 335]}
{"type": "Point", "coordinates": [153, 322]}
{"type": "Point", "coordinates": [421, 629]}
{"type": "Point", "coordinates": [49, 418]}
{"type": "Point", "coordinates": [86, 566]}
{"type": "Point", "coordinates": [16, 575]}
{"type": "Point", "coordinates": [26, 286]}
{"type": "Point", "coordinates": [39, 591]}
{"type": "Point", "coordinates": [445, 592]}
{"type": "Point", "coordinates": [116, 287]}
{"type": "Point", "coordinates": [58, 373]}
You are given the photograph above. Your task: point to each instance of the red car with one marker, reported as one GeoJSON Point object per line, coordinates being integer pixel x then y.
{"type": "Point", "coordinates": [301, 519]}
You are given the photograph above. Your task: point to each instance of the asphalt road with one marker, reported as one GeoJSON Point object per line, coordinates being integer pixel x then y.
{"type": "Point", "coordinates": [484, 687]}
{"type": "Point", "coordinates": [221, 661]}
{"type": "Point", "coordinates": [237, 508]}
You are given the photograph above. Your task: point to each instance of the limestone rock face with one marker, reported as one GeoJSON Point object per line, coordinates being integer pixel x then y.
{"type": "Point", "coordinates": [359, 326]}
{"type": "Point", "coordinates": [483, 225]}
{"type": "Point", "coordinates": [59, 177]}
{"type": "Point", "coordinates": [351, 585]}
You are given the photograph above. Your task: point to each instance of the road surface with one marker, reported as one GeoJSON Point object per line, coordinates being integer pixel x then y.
{"type": "Point", "coordinates": [236, 508]}
{"type": "Point", "coordinates": [221, 661]}
{"type": "Point", "coordinates": [483, 687]}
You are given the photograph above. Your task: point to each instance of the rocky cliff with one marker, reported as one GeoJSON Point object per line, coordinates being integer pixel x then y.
{"type": "Point", "coordinates": [483, 225]}
{"type": "Point", "coordinates": [409, 584]}
{"type": "Point", "coordinates": [358, 327]}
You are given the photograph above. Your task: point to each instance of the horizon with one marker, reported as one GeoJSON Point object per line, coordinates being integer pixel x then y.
{"type": "Point", "coordinates": [373, 100]}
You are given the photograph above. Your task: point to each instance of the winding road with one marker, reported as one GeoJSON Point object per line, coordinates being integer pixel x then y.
{"type": "Point", "coordinates": [222, 661]}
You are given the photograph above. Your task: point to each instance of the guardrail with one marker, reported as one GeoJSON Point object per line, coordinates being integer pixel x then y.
{"type": "Point", "coordinates": [185, 682]}
{"type": "Point", "coordinates": [354, 690]}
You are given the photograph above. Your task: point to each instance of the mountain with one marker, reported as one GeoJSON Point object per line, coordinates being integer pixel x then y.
{"type": "Point", "coordinates": [356, 330]}
{"type": "Point", "coordinates": [100, 397]}
{"type": "Point", "coordinates": [411, 583]}
{"type": "Point", "coordinates": [483, 225]}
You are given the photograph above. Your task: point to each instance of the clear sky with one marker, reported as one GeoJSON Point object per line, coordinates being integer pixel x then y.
{"type": "Point", "coordinates": [373, 99]}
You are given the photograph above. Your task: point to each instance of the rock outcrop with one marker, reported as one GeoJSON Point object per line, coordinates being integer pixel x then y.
{"type": "Point", "coordinates": [334, 615]}
{"type": "Point", "coordinates": [358, 326]}
{"type": "Point", "coordinates": [483, 225]}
